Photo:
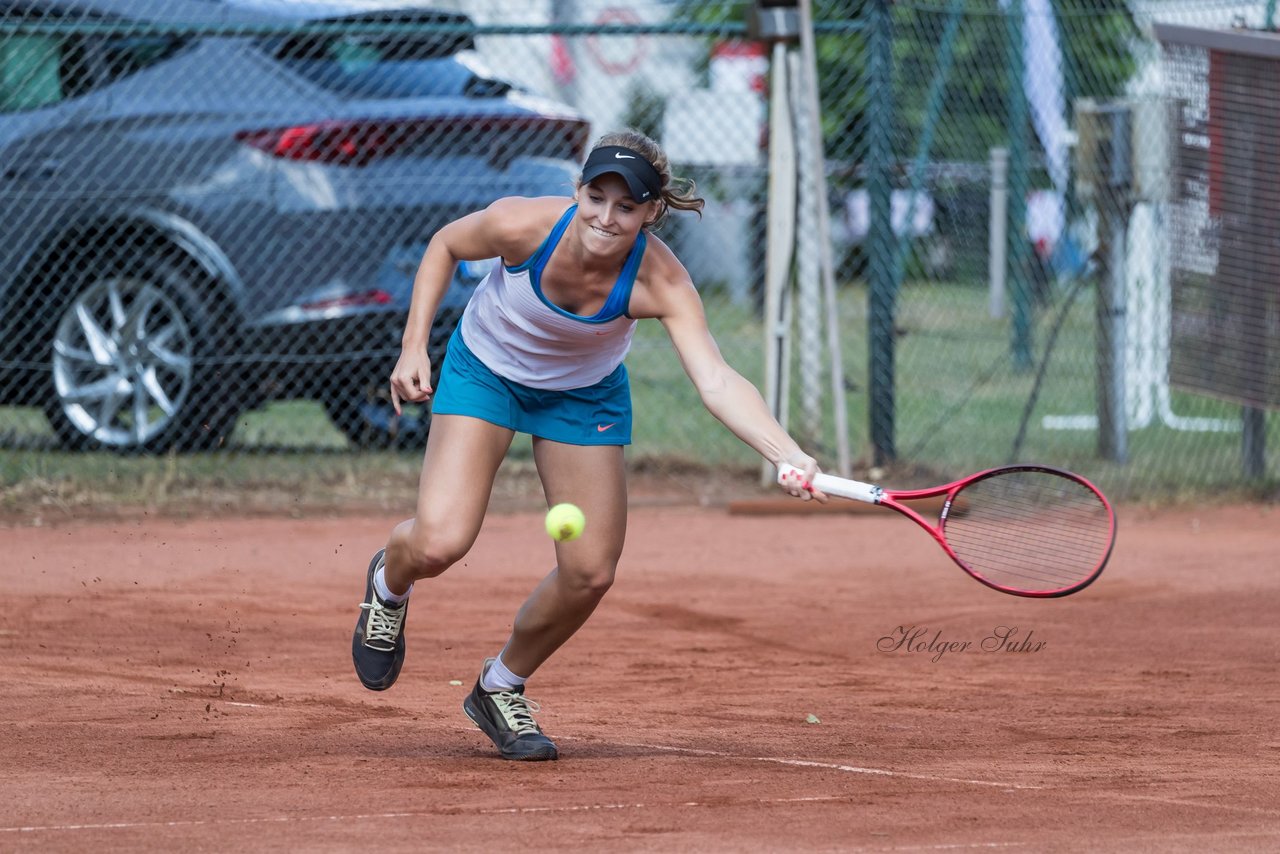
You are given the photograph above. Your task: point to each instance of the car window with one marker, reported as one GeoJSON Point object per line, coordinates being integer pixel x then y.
{"type": "Point", "coordinates": [125, 55]}
{"type": "Point", "coordinates": [41, 70]}
{"type": "Point", "coordinates": [354, 66]}
{"type": "Point", "coordinates": [29, 76]}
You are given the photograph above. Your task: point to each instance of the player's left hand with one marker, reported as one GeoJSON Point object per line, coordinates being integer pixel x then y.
{"type": "Point", "coordinates": [411, 378]}
{"type": "Point", "coordinates": [801, 483]}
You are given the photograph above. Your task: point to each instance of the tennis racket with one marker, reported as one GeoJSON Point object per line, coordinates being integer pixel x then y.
{"type": "Point", "coordinates": [1027, 530]}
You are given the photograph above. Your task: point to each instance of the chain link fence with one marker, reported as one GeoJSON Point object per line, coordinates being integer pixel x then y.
{"type": "Point", "coordinates": [214, 211]}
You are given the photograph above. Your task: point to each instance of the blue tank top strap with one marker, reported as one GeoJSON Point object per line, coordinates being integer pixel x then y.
{"type": "Point", "coordinates": [615, 305]}
{"type": "Point", "coordinates": [542, 254]}
{"type": "Point", "coordinates": [620, 297]}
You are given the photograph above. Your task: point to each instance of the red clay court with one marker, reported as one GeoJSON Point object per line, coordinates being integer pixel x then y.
{"type": "Point", "coordinates": [187, 685]}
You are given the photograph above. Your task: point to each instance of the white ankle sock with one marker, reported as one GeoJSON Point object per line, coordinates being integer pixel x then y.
{"type": "Point", "coordinates": [383, 591]}
{"type": "Point", "coordinates": [499, 678]}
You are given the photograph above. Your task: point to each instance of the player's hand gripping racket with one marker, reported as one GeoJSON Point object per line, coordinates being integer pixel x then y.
{"type": "Point", "coordinates": [1026, 530]}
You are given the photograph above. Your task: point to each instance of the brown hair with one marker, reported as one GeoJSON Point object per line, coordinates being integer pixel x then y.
{"type": "Point", "coordinates": [678, 193]}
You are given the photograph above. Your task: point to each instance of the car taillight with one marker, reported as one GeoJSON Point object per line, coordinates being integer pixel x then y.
{"type": "Point", "coordinates": [377, 297]}
{"type": "Point", "coordinates": [348, 143]}
{"type": "Point", "coordinates": [360, 142]}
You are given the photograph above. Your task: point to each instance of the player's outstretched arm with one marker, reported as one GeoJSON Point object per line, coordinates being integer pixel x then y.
{"type": "Point", "coordinates": [728, 395]}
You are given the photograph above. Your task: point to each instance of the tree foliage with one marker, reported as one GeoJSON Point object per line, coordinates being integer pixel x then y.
{"type": "Point", "coordinates": [1097, 37]}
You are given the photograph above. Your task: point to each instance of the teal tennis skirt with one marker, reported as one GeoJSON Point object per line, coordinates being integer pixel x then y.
{"type": "Point", "coordinates": [597, 414]}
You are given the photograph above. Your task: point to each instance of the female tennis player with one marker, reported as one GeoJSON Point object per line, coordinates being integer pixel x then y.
{"type": "Point", "coordinates": [539, 350]}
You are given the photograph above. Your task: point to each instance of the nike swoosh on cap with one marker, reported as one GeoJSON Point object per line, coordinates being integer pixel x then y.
{"type": "Point", "coordinates": [619, 155]}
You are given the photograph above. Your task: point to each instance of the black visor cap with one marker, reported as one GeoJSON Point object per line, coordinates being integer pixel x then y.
{"type": "Point", "coordinates": [642, 179]}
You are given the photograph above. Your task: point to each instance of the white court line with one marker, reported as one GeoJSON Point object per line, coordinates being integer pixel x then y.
{"type": "Point", "coordinates": [946, 846]}
{"type": "Point", "coordinates": [884, 772]}
{"type": "Point", "coordinates": [1182, 802]}
{"type": "Point", "coordinates": [443, 811]}
{"type": "Point", "coordinates": [957, 846]}
{"type": "Point", "coordinates": [590, 807]}
{"type": "Point", "coordinates": [801, 763]}
{"type": "Point", "coordinates": [1208, 835]}
{"type": "Point", "coordinates": [854, 769]}
{"type": "Point", "coordinates": [831, 766]}
{"type": "Point", "coordinates": [133, 825]}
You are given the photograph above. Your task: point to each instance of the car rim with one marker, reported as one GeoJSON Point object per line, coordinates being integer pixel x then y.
{"type": "Point", "coordinates": [122, 362]}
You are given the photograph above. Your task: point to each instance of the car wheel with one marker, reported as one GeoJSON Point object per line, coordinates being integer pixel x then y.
{"type": "Point", "coordinates": [362, 410]}
{"type": "Point", "coordinates": [130, 366]}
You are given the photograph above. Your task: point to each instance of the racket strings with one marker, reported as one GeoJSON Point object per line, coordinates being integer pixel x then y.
{"type": "Point", "coordinates": [1029, 530]}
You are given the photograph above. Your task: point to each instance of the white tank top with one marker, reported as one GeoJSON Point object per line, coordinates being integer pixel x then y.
{"type": "Point", "coordinates": [519, 334]}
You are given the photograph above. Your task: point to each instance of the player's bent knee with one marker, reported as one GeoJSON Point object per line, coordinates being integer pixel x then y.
{"type": "Point", "coordinates": [592, 583]}
{"type": "Point", "coordinates": [434, 555]}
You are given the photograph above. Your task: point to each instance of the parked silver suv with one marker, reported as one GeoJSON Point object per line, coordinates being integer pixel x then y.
{"type": "Point", "coordinates": [208, 205]}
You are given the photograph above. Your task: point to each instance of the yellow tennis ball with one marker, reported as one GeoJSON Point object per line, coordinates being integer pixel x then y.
{"type": "Point", "coordinates": [565, 522]}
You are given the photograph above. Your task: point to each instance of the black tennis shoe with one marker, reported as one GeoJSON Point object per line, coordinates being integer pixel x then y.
{"type": "Point", "coordinates": [507, 718]}
{"type": "Point", "coordinates": [377, 647]}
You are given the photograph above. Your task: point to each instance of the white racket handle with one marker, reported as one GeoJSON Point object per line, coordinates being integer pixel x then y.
{"type": "Point", "coordinates": [839, 486]}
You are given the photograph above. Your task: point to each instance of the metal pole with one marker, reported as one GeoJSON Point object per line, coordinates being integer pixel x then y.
{"type": "Point", "coordinates": [1019, 245]}
{"type": "Point", "coordinates": [1254, 449]}
{"type": "Point", "coordinates": [780, 234]}
{"type": "Point", "coordinates": [997, 243]}
{"type": "Point", "coordinates": [808, 286]}
{"type": "Point", "coordinates": [1113, 223]}
{"type": "Point", "coordinates": [565, 12]}
{"type": "Point", "coordinates": [826, 264]}
{"type": "Point", "coordinates": [880, 241]}
{"type": "Point", "coordinates": [933, 110]}
{"type": "Point", "coordinates": [1112, 419]}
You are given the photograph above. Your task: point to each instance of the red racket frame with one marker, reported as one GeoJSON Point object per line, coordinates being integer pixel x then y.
{"type": "Point", "coordinates": [872, 494]}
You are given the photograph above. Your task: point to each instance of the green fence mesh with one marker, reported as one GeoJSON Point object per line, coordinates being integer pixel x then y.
{"type": "Point", "coordinates": [213, 213]}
